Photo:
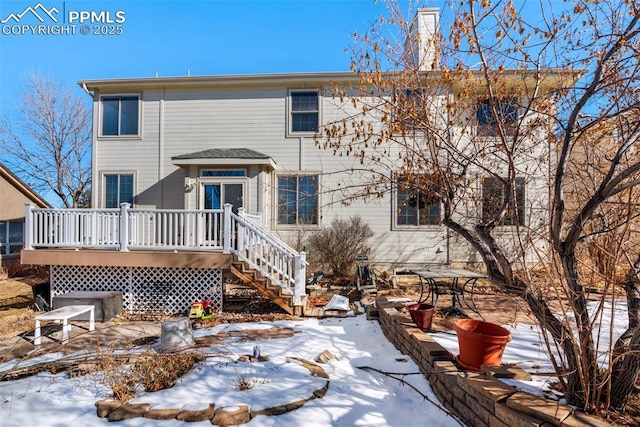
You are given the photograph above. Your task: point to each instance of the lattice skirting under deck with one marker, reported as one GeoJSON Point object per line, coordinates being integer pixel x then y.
{"type": "Point", "coordinates": [144, 289]}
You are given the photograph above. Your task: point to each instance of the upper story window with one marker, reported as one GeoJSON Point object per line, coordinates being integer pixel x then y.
{"type": "Point", "coordinates": [493, 196]}
{"type": "Point", "coordinates": [118, 188]}
{"type": "Point", "coordinates": [488, 121]}
{"type": "Point", "coordinates": [416, 207]}
{"type": "Point", "coordinates": [305, 111]}
{"type": "Point", "coordinates": [120, 115]}
{"type": "Point", "coordinates": [411, 111]}
{"type": "Point", "coordinates": [10, 237]}
{"type": "Point", "coordinates": [298, 200]}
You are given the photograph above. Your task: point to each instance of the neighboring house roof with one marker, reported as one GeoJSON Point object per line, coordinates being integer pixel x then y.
{"type": "Point", "coordinates": [19, 185]}
{"type": "Point", "coordinates": [224, 156]}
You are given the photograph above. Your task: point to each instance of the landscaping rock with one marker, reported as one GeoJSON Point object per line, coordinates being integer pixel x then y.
{"type": "Point", "coordinates": [196, 415]}
{"type": "Point", "coordinates": [325, 356]}
{"type": "Point", "coordinates": [106, 406]}
{"type": "Point", "coordinates": [274, 410]}
{"type": "Point", "coordinates": [162, 414]}
{"type": "Point", "coordinates": [295, 405]}
{"type": "Point", "coordinates": [231, 416]}
{"type": "Point", "coordinates": [319, 393]}
{"type": "Point", "coordinates": [128, 411]}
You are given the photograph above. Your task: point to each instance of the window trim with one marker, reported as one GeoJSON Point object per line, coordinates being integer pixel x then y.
{"type": "Point", "coordinates": [138, 135]}
{"type": "Point", "coordinates": [290, 131]}
{"type": "Point", "coordinates": [103, 186]}
{"type": "Point", "coordinates": [519, 183]}
{"type": "Point", "coordinates": [276, 194]}
{"type": "Point", "coordinates": [395, 208]}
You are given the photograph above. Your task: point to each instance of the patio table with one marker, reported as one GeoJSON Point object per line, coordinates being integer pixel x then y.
{"type": "Point", "coordinates": [64, 314]}
{"type": "Point", "coordinates": [454, 282]}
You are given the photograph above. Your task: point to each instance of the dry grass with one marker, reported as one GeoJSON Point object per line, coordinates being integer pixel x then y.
{"type": "Point", "coordinates": [149, 372]}
{"type": "Point", "coordinates": [14, 321]}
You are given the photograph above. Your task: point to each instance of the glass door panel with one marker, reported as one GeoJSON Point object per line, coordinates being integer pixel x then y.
{"type": "Point", "coordinates": [214, 196]}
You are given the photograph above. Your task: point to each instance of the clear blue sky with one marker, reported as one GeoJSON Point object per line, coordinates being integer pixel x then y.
{"type": "Point", "coordinates": [171, 38]}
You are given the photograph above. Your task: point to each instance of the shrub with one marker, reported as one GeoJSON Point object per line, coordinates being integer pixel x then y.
{"type": "Point", "coordinates": [337, 246]}
{"type": "Point", "coordinates": [149, 371]}
{"type": "Point", "coordinates": [246, 379]}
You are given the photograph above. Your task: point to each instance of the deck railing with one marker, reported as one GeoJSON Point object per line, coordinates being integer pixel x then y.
{"type": "Point", "coordinates": [129, 228]}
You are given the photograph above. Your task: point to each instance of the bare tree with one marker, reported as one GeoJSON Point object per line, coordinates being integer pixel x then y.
{"type": "Point", "coordinates": [523, 126]}
{"type": "Point", "coordinates": [47, 141]}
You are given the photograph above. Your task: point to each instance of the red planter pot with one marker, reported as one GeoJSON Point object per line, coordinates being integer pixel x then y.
{"type": "Point", "coordinates": [422, 315]}
{"type": "Point", "coordinates": [480, 343]}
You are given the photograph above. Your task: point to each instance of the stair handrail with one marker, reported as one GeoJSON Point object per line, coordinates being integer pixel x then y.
{"type": "Point", "coordinates": [259, 226]}
{"type": "Point", "coordinates": [296, 277]}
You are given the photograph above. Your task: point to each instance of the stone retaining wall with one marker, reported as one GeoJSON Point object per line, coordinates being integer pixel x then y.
{"type": "Point", "coordinates": [479, 399]}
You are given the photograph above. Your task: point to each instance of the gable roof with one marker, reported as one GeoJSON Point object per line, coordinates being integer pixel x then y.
{"type": "Point", "coordinates": [225, 156]}
{"type": "Point", "coordinates": [20, 185]}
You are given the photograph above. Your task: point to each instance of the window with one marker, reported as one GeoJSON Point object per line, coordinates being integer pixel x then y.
{"type": "Point", "coordinates": [119, 115]}
{"type": "Point", "coordinates": [10, 237]}
{"type": "Point", "coordinates": [411, 111]}
{"type": "Point", "coordinates": [305, 111]}
{"type": "Point", "coordinates": [223, 173]}
{"type": "Point", "coordinates": [298, 200]}
{"type": "Point", "coordinates": [415, 207]}
{"type": "Point", "coordinates": [507, 110]}
{"type": "Point", "coordinates": [493, 196]}
{"type": "Point", "coordinates": [118, 189]}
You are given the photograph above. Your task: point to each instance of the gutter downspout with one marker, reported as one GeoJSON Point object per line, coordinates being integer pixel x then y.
{"type": "Point", "coordinates": [94, 125]}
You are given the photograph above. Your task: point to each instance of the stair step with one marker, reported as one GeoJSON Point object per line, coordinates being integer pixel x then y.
{"type": "Point", "coordinates": [263, 285]}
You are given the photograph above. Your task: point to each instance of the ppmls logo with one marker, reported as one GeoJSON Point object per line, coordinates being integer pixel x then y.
{"type": "Point", "coordinates": [33, 11]}
{"type": "Point", "coordinates": [40, 20]}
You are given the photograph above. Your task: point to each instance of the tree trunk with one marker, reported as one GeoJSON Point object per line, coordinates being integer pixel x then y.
{"type": "Point", "coordinates": [625, 369]}
{"type": "Point", "coordinates": [564, 340]}
{"type": "Point", "coordinates": [583, 378]}
{"type": "Point", "coordinates": [626, 354]}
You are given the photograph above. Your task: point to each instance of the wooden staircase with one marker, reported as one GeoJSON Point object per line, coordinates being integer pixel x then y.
{"type": "Point", "coordinates": [265, 287]}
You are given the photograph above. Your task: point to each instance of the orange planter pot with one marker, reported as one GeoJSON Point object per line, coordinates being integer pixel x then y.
{"type": "Point", "coordinates": [480, 343]}
{"type": "Point", "coordinates": [422, 315]}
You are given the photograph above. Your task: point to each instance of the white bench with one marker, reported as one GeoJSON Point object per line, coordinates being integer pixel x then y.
{"type": "Point", "coordinates": [64, 314]}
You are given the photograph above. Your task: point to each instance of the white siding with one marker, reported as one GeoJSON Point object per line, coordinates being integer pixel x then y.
{"type": "Point", "coordinates": [178, 120]}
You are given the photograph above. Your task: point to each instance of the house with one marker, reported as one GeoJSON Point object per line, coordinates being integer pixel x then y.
{"type": "Point", "coordinates": [14, 194]}
{"type": "Point", "coordinates": [200, 174]}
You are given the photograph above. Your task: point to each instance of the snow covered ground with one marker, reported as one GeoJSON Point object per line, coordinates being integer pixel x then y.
{"type": "Point", "coordinates": [528, 350]}
{"type": "Point", "coordinates": [355, 397]}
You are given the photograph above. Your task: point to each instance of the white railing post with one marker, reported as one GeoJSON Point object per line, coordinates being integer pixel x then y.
{"type": "Point", "coordinates": [28, 227]}
{"type": "Point", "coordinates": [226, 245]}
{"type": "Point", "coordinates": [300, 277]}
{"type": "Point", "coordinates": [124, 227]}
{"type": "Point", "coordinates": [94, 239]}
{"type": "Point", "coordinates": [241, 231]}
